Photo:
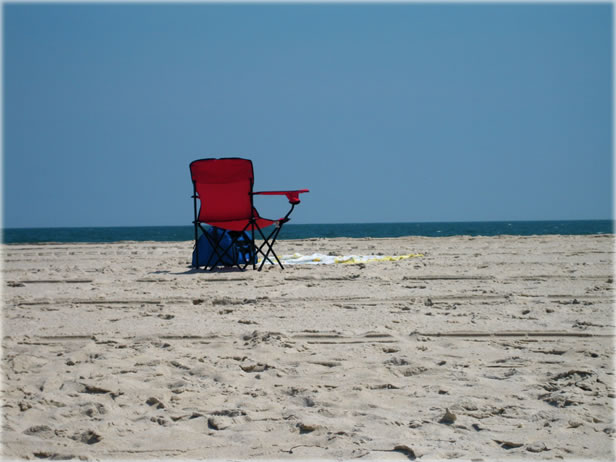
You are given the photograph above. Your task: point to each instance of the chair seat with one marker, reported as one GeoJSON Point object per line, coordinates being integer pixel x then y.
{"type": "Point", "coordinates": [241, 225]}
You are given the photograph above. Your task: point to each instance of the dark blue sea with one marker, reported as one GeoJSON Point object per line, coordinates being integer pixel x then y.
{"type": "Point", "coordinates": [298, 231]}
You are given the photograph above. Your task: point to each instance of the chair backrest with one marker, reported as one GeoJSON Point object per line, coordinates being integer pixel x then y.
{"type": "Point", "coordinates": [224, 187]}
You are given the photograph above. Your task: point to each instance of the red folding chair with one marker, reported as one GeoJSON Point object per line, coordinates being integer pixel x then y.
{"type": "Point", "coordinates": [224, 189]}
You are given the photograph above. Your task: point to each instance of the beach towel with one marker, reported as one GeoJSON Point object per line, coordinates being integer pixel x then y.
{"type": "Point", "coordinates": [321, 259]}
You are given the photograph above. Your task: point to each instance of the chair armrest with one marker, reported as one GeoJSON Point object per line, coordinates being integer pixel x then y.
{"type": "Point", "coordinates": [293, 196]}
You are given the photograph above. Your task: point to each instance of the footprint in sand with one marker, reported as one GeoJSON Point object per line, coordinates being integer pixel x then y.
{"type": "Point", "coordinates": [87, 437]}
{"type": "Point", "coordinates": [41, 431]}
{"type": "Point", "coordinates": [155, 403]}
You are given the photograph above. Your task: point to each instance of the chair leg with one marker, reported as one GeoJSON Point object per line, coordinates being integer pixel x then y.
{"type": "Point", "coordinates": [197, 224]}
{"type": "Point", "coordinates": [272, 245]}
{"type": "Point", "coordinates": [252, 248]}
{"type": "Point", "coordinates": [196, 265]}
{"type": "Point", "coordinates": [259, 250]}
{"type": "Point", "coordinates": [216, 247]}
{"type": "Point", "coordinates": [219, 251]}
{"type": "Point", "coordinates": [266, 241]}
{"type": "Point", "coordinates": [275, 236]}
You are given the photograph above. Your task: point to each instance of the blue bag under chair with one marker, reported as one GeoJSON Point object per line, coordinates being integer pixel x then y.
{"type": "Point", "coordinates": [243, 244]}
{"type": "Point", "coordinates": [207, 255]}
{"type": "Point", "coordinates": [238, 254]}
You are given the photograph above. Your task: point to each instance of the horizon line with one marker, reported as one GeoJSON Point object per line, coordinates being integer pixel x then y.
{"type": "Point", "coordinates": [318, 224]}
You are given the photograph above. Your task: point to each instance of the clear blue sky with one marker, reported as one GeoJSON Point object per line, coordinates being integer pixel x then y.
{"type": "Point", "coordinates": [400, 112]}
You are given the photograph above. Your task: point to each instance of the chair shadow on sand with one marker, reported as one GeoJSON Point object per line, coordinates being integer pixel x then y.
{"type": "Point", "coordinates": [192, 270]}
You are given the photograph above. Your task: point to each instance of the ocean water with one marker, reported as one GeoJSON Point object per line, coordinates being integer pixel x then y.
{"type": "Point", "coordinates": [303, 231]}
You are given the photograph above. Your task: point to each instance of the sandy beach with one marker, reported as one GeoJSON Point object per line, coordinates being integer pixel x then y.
{"type": "Point", "coordinates": [483, 348]}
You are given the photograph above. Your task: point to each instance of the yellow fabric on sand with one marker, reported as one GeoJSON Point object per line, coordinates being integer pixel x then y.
{"type": "Point", "coordinates": [355, 260]}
